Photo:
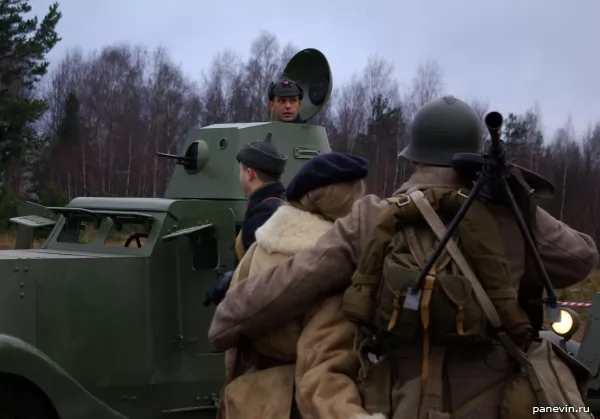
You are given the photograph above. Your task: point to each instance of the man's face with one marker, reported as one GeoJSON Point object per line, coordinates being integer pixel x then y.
{"type": "Point", "coordinates": [286, 109]}
{"type": "Point", "coordinates": [247, 179]}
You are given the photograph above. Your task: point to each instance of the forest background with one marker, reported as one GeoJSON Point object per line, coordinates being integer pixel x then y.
{"type": "Point", "coordinates": [91, 125]}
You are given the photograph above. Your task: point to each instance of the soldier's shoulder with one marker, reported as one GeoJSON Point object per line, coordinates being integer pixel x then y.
{"type": "Point", "coordinates": [374, 200]}
{"type": "Point", "coordinates": [370, 204]}
{"type": "Point", "coordinates": [263, 208]}
{"type": "Point", "coordinates": [269, 204]}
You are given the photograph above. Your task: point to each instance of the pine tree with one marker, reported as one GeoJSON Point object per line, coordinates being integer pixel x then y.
{"type": "Point", "coordinates": [24, 44]}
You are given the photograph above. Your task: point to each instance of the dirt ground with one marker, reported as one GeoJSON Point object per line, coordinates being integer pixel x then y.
{"type": "Point", "coordinates": [7, 241]}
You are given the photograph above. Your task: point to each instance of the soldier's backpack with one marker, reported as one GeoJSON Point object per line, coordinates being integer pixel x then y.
{"type": "Point", "coordinates": [468, 298]}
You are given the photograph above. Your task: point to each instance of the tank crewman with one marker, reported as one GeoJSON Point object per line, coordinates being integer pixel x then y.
{"type": "Point", "coordinates": [483, 381]}
{"type": "Point", "coordinates": [261, 166]}
{"type": "Point", "coordinates": [285, 100]}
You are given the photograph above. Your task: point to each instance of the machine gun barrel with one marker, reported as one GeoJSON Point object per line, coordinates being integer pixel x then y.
{"type": "Point", "coordinates": [493, 122]}
{"type": "Point", "coordinates": [180, 159]}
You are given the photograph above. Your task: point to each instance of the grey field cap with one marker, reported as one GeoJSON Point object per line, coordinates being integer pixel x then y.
{"type": "Point", "coordinates": [262, 155]}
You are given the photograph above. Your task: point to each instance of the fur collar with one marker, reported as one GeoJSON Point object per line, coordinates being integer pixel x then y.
{"type": "Point", "coordinates": [290, 230]}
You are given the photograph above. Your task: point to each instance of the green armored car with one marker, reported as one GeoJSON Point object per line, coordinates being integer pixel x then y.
{"type": "Point", "coordinates": [90, 330]}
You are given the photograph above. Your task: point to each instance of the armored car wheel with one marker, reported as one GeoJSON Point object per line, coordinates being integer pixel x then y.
{"type": "Point", "coordinates": [19, 399]}
{"type": "Point", "coordinates": [136, 237]}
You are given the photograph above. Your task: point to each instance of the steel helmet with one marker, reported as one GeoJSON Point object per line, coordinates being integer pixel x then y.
{"type": "Point", "coordinates": [442, 128]}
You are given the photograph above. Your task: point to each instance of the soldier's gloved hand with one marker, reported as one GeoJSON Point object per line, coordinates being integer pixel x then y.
{"type": "Point", "coordinates": [218, 289]}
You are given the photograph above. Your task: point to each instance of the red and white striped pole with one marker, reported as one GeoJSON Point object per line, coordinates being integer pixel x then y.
{"type": "Point", "coordinates": [574, 304]}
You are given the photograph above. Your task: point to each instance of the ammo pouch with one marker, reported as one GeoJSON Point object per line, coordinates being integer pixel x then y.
{"type": "Point", "coordinates": [552, 385]}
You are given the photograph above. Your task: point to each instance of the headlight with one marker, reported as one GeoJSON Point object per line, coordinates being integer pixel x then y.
{"type": "Point", "coordinates": [568, 324]}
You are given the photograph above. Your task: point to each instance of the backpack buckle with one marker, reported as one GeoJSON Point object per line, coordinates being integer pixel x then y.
{"type": "Point", "coordinates": [373, 358]}
{"type": "Point", "coordinates": [463, 194]}
{"type": "Point", "coordinates": [401, 204]}
{"type": "Point", "coordinates": [412, 301]}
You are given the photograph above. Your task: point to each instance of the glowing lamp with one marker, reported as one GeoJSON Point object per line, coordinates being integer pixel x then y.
{"type": "Point", "coordinates": [568, 324]}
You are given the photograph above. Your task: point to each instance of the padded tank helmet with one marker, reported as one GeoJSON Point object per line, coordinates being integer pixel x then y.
{"type": "Point", "coordinates": [285, 88]}
{"type": "Point", "coordinates": [442, 128]}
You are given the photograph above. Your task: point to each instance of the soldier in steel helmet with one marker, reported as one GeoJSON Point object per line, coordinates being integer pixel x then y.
{"type": "Point", "coordinates": [261, 166]}
{"type": "Point", "coordinates": [271, 298]}
{"type": "Point", "coordinates": [285, 100]}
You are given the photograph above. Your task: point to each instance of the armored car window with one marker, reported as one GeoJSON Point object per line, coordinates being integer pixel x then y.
{"type": "Point", "coordinates": [77, 230]}
{"type": "Point", "coordinates": [130, 233]}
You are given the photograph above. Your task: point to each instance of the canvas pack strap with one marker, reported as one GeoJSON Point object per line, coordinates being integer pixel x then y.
{"type": "Point", "coordinates": [486, 304]}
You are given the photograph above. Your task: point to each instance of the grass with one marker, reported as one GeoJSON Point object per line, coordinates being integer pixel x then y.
{"type": "Point", "coordinates": [7, 241]}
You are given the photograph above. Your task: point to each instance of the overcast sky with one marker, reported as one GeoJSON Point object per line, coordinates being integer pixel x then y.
{"type": "Point", "coordinates": [512, 53]}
